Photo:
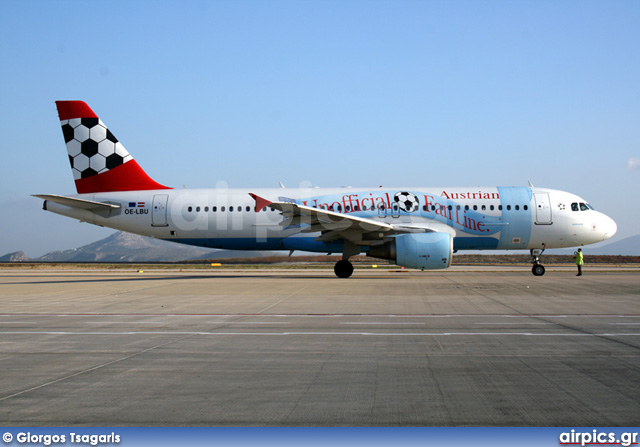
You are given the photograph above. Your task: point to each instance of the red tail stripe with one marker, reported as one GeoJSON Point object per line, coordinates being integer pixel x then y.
{"type": "Point", "coordinates": [126, 177]}
{"type": "Point", "coordinates": [74, 109]}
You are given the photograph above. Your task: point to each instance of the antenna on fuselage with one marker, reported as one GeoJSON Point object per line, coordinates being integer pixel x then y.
{"type": "Point", "coordinates": [530, 184]}
{"type": "Point", "coordinates": [282, 185]}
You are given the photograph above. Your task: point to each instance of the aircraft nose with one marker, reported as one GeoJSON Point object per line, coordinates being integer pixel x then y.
{"type": "Point", "coordinates": [608, 227]}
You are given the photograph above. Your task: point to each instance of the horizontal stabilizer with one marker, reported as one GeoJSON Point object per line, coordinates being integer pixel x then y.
{"type": "Point", "coordinates": [77, 203]}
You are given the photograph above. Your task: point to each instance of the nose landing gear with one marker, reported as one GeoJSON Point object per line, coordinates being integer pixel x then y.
{"type": "Point", "coordinates": [537, 269]}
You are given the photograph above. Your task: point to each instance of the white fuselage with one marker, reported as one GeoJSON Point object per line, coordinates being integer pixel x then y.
{"type": "Point", "coordinates": [506, 218]}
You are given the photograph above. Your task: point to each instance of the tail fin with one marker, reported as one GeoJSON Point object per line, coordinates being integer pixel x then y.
{"type": "Point", "coordinates": [98, 161]}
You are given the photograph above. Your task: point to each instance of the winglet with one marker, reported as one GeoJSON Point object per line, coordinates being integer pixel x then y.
{"type": "Point", "coordinates": [260, 202]}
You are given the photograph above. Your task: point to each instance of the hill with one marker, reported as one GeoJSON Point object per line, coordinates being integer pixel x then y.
{"type": "Point", "coordinates": [17, 256]}
{"type": "Point", "coordinates": [627, 247]}
{"type": "Point", "coordinates": [127, 247]}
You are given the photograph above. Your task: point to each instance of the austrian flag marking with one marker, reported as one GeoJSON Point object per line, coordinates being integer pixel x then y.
{"type": "Point", "coordinates": [137, 208]}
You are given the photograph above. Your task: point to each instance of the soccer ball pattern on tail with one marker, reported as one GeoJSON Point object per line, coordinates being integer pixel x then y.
{"type": "Point", "coordinates": [99, 162]}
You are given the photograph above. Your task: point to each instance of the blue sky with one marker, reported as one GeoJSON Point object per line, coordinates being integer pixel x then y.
{"type": "Point", "coordinates": [335, 93]}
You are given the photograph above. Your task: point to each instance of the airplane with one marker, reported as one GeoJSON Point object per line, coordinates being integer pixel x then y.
{"type": "Point", "coordinates": [416, 228]}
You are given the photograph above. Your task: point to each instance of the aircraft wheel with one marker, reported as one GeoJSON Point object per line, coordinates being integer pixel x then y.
{"type": "Point", "coordinates": [343, 269]}
{"type": "Point", "coordinates": [538, 270]}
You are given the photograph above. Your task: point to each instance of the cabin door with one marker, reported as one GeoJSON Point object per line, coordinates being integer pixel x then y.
{"type": "Point", "coordinates": [543, 209]}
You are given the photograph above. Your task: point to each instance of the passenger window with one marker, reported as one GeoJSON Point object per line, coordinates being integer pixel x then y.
{"type": "Point", "coordinates": [214, 208]}
{"type": "Point", "coordinates": [583, 207]}
{"type": "Point", "coordinates": [492, 207]}
{"type": "Point", "coordinates": [264, 209]}
{"type": "Point", "coordinates": [574, 206]}
{"type": "Point", "coordinates": [458, 207]}
{"type": "Point", "coordinates": [190, 209]}
{"type": "Point", "coordinates": [484, 207]}
{"type": "Point", "coordinates": [466, 207]}
{"type": "Point", "coordinates": [206, 209]}
{"type": "Point", "coordinates": [517, 207]}
{"type": "Point", "coordinates": [508, 207]}
{"type": "Point", "coordinates": [525, 207]}
{"type": "Point", "coordinates": [433, 207]}
{"type": "Point", "coordinates": [197, 209]}
{"type": "Point", "coordinates": [500, 207]}
{"type": "Point", "coordinates": [230, 208]}
{"type": "Point", "coordinates": [475, 207]}
{"type": "Point", "coordinates": [222, 209]}
{"type": "Point", "coordinates": [248, 208]}
{"type": "Point", "coordinates": [424, 207]}
{"type": "Point", "coordinates": [450, 207]}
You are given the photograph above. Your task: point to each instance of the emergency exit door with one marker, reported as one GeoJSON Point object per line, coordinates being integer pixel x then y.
{"type": "Point", "coordinates": [159, 211]}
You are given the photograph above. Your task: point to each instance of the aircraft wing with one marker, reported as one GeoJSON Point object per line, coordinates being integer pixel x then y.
{"type": "Point", "coordinates": [334, 225]}
{"type": "Point", "coordinates": [319, 219]}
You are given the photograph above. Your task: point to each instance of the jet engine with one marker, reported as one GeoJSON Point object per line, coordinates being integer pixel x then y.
{"type": "Point", "coordinates": [426, 251]}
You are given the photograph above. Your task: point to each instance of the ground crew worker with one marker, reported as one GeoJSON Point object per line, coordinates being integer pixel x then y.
{"type": "Point", "coordinates": [579, 261]}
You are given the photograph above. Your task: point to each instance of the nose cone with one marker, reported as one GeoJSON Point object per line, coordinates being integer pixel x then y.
{"type": "Point", "coordinates": [608, 227]}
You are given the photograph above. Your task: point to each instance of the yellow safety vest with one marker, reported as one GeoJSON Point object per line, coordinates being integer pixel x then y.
{"type": "Point", "coordinates": [579, 258]}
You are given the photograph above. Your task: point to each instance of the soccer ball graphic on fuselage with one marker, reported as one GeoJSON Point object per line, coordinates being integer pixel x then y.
{"type": "Point", "coordinates": [413, 227]}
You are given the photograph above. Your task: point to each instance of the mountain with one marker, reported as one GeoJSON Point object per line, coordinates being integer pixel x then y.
{"type": "Point", "coordinates": [17, 256]}
{"type": "Point", "coordinates": [629, 246]}
{"type": "Point", "coordinates": [127, 247]}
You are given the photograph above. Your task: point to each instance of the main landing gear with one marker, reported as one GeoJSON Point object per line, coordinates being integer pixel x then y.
{"type": "Point", "coordinates": [343, 268]}
{"type": "Point", "coordinates": [537, 269]}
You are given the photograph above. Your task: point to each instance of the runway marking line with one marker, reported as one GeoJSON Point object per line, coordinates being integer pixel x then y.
{"type": "Point", "coordinates": [414, 334]}
{"type": "Point", "coordinates": [506, 324]}
{"type": "Point", "coordinates": [84, 371]}
{"type": "Point", "coordinates": [381, 323]}
{"type": "Point", "coordinates": [326, 315]}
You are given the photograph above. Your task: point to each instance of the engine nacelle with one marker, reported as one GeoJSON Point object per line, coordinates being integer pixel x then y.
{"type": "Point", "coordinates": [428, 251]}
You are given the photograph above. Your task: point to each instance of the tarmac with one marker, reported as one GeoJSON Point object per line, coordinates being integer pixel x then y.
{"type": "Point", "coordinates": [462, 347]}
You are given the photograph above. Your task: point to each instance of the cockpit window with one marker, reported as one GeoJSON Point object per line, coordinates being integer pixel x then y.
{"type": "Point", "coordinates": [583, 207]}
{"type": "Point", "coordinates": [574, 206]}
